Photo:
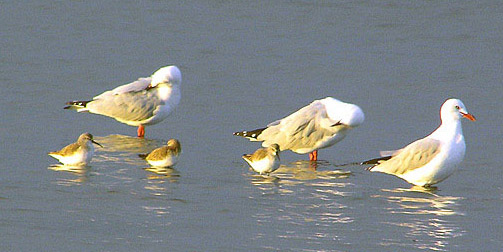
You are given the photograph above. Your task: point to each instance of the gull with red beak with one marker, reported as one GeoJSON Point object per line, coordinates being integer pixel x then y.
{"type": "Point", "coordinates": [146, 101]}
{"type": "Point", "coordinates": [434, 158]}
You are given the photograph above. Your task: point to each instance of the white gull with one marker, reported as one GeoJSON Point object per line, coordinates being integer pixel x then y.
{"type": "Point", "coordinates": [318, 125]}
{"type": "Point", "coordinates": [434, 158]}
{"type": "Point", "coordinates": [146, 101]}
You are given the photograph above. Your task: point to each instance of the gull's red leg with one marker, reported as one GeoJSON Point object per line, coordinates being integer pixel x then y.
{"type": "Point", "coordinates": [313, 156]}
{"type": "Point", "coordinates": [141, 131]}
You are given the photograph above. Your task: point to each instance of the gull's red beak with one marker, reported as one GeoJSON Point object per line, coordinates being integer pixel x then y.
{"type": "Point", "coordinates": [468, 116]}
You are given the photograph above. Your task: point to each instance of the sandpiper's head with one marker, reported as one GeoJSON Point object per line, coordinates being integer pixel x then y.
{"type": "Point", "coordinates": [167, 75]}
{"type": "Point", "coordinates": [275, 148]}
{"type": "Point", "coordinates": [85, 137]}
{"type": "Point", "coordinates": [175, 144]}
{"type": "Point", "coordinates": [454, 109]}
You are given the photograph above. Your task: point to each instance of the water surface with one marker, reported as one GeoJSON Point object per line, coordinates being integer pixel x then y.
{"type": "Point", "coordinates": [245, 65]}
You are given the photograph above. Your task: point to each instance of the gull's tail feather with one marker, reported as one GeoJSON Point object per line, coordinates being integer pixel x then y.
{"type": "Point", "coordinates": [252, 135]}
{"type": "Point", "coordinates": [143, 156]}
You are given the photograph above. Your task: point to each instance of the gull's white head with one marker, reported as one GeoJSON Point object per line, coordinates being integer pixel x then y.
{"type": "Point", "coordinates": [454, 110]}
{"type": "Point", "coordinates": [345, 113]}
{"type": "Point", "coordinates": [169, 75]}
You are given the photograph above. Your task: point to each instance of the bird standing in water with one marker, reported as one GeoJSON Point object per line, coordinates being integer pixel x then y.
{"type": "Point", "coordinates": [432, 159]}
{"type": "Point", "coordinates": [318, 125]}
{"type": "Point", "coordinates": [264, 160]}
{"type": "Point", "coordinates": [165, 156]}
{"type": "Point", "coordinates": [79, 153]}
{"type": "Point", "coordinates": [146, 101]}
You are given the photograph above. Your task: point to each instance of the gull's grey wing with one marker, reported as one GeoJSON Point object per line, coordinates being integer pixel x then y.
{"type": "Point", "coordinates": [389, 153]}
{"type": "Point", "coordinates": [413, 156]}
{"type": "Point", "coordinates": [135, 86]}
{"type": "Point", "coordinates": [301, 116]}
{"type": "Point", "coordinates": [129, 106]}
{"type": "Point", "coordinates": [301, 129]}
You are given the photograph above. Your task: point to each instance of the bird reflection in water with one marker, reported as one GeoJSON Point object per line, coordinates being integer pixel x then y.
{"type": "Point", "coordinates": [302, 173]}
{"type": "Point", "coordinates": [303, 170]}
{"type": "Point", "coordinates": [122, 143]}
{"type": "Point", "coordinates": [315, 200]}
{"type": "Point", "coordinates": [125, 149]}
{"type": "Point", "coordinates": [157, 173]}
{"type": "Point", "coordinates": [431, 228]}
{"type": "Point", "coordinates": [258, 179]}
{"type": "Point", "coordinates": [81, 174]}
{"type": "Point", "coordinates": [158, 180]}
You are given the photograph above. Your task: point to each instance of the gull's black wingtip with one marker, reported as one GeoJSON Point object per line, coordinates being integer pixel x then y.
{"type": "Point", "coordinates": [375, 161]}
{"type": "Point", "coordinates": [249, 134]}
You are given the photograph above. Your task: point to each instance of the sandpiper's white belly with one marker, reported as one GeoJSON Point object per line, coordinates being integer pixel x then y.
{"type": "Point", "coordinates": [79, 157]}
{"type": "Point", "coordinates": [265, 165]}
{"type": "Point", "coordinates": [170, 160]}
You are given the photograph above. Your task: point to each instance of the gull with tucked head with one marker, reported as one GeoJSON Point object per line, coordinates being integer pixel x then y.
{"type": "Point", "coordinates": [318, 125]}
{"type": "Point", "coordinates": [146, 101]}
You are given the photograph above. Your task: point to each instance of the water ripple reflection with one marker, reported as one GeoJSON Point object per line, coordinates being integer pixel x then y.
{"type": "Point", "coordinates": [308, 204]}
{"type": "Point", "coordinates": [163, 174]}
{"type": "Point", "coordinates": [80, 174]}
{"type": "Point", "coordinates": [423, 215]}
{"type": "Point", "coordinates": [122, 143]}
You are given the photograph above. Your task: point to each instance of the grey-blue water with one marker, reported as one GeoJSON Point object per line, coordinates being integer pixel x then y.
{"type": "Point", "coordinates": [245, 64]}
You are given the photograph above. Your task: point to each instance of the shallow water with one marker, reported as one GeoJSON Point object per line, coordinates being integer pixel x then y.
{"type": "Point", "coordinates": [245, 65]}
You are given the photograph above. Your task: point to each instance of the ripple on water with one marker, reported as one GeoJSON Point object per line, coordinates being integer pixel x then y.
{"type": "Point", "coordinates": [307, 202]}
{"type": "Point", "coordinates": [425, 218]}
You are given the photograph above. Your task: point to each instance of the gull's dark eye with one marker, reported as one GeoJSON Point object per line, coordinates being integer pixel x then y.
{"type": "Point", "coordinates": [457, 107]}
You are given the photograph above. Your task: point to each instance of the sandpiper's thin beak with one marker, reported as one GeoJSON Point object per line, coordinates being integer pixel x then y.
{"type": "Point", "coordinates": [97, 143]}
{"type": "Point", "coordinates": [468, 116]}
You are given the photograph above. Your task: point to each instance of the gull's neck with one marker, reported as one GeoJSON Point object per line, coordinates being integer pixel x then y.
{"type": "Point", "coordinates": [448, 130]}
{"type": "Point", "coordinates": [166, 92]}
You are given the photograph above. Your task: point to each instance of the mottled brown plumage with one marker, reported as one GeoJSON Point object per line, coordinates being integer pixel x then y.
{"type": "Point", "coordinates": [78, 153]}
{"type": "Point", "coordinates": [264, 160]}
{"type": "Point", "coordinates": [164, 156]}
